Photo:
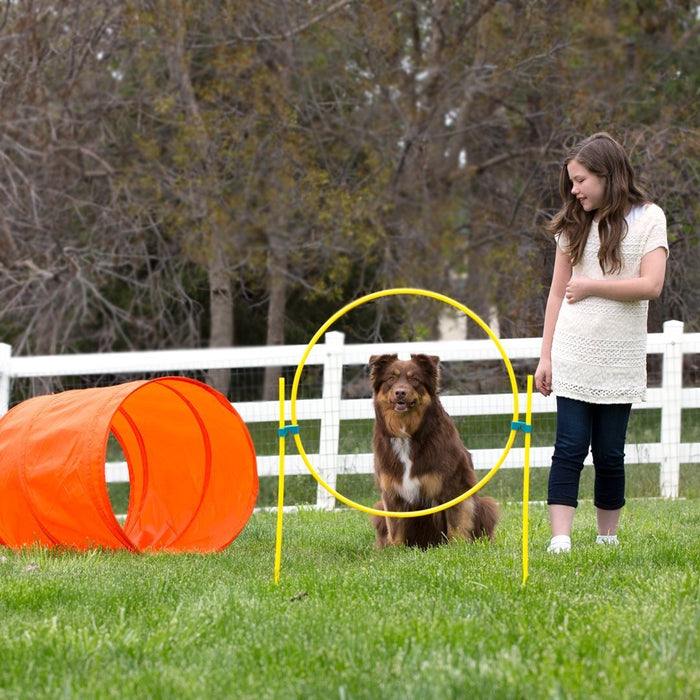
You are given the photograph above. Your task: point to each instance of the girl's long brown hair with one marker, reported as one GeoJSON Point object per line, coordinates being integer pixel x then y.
{"type": "Point", "coordinates": [606, 158]}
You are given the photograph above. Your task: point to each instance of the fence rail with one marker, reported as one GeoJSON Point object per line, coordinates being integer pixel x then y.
{"type": "Point", "coordinates": [331, 409]}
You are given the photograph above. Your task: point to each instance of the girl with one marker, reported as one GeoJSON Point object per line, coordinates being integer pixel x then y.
{"type": "Point", "coordinates": [610, 260]}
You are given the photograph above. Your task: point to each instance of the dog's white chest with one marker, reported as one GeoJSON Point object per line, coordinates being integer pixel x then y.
{"type": "Point", "coordinates": [409, 489]}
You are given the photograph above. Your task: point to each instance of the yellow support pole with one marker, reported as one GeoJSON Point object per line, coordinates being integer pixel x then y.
{"type": "Point", "coordinates": [280, 485]}
{"type": "Point", "coordinates": [526, 477]}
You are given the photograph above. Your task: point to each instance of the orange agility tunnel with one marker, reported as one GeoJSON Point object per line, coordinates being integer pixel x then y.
{"type": "Point", "coordinates": [192, 468]}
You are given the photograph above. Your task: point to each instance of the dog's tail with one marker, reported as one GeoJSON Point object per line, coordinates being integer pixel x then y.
{"type": "Point", "coordinates": [485, 516]}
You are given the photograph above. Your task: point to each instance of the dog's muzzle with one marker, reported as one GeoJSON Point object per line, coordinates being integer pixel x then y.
{"type": "Point", "coordinates": [400, 404]}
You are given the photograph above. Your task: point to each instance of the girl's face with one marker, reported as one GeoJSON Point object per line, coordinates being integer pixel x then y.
{"type": "Point", "coordinates": [588, 188]}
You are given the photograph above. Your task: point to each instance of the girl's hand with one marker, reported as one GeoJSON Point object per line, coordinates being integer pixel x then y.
{"type": "Point", "coordinates": [647, 286]}
{"type": "Point", "coordinates": [543, 377]}
{"type": "Point", "coordinates": [577, 289]}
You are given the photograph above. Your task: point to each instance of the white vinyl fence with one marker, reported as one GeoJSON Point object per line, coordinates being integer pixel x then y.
{"type": "Point", "coordinates": [333, 354]}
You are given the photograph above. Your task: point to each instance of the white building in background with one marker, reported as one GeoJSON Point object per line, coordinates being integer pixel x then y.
{"type": "Point", "coordinates": [453, 324]}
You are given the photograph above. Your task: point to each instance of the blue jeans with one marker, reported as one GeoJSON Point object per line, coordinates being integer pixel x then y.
{"type": "Point", "coordinates": [580, 426]}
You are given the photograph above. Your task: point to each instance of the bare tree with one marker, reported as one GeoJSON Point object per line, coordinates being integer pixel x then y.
{"type": "Point", "coordinates": [74, 274]}
{"type": "Point", "coordinates": [164, 164]}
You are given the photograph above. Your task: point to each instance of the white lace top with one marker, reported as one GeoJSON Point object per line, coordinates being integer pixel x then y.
{"type": "Point", "coordinates": [599, 345]}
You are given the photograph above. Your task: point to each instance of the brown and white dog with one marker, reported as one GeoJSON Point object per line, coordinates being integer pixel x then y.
{"type": "Point", "coordinates": [419, 458]}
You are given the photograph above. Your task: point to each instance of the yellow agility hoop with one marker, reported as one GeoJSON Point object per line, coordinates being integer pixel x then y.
{"type": "Point", "coordinates": [324, 328]}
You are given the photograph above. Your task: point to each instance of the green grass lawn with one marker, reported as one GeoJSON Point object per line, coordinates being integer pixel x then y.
{"type": "Point", "coordinates": [346, 621]}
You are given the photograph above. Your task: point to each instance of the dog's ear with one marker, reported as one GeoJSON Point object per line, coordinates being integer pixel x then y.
{"type": "Point", "coordinates": [430, 365]}
{"type": "Point", "coordinates": [376, 366]}
{"type": "Point", "coordinates": [433, 360]}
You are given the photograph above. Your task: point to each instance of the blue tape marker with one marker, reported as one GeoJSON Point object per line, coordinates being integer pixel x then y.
{"type": "Point", "coordinates": [288, 430]}
{"type": "Point", "coordinates": [520, 425]}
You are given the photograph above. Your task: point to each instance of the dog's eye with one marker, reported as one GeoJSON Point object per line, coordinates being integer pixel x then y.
{"type": "Point", "coordinates": [414, 381]}
{"type": "Point", "coordinates": [390, 380]}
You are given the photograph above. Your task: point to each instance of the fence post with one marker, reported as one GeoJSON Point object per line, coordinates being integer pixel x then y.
{"type": "Point", "coordinates": [5, 355]}
{"type": "Point", "coordinates": [329, 437]}
{"type": "Point", "coordinates": [671, 405]}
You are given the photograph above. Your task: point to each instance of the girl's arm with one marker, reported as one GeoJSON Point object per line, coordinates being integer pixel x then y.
{"type": "Point", "coordinates": [647, 286]}
{"type": "Point", "coordinates": [560, 278]}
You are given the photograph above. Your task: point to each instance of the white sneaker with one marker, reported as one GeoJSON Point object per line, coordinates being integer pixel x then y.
{"type": "Point", "coordinates": [559, 544]}
{"type": "Point", "coordinates": [607, 539]}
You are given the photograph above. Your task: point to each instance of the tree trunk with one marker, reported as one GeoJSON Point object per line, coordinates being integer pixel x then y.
{"type": "Point", "coordinates": [276, 311]}
{"type": "Point", "coordinates": [221, 310]}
